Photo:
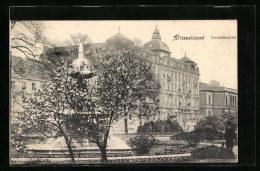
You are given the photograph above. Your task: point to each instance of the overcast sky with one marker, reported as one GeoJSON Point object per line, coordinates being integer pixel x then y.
{"type": "Point", "coordinates": [216, 58]}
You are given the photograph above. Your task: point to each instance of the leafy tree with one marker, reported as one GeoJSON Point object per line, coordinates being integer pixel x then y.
{"type": "Point", "coordinates": [56, 109]}
{"type": "Point", "coordinates": [226, 118]}
{"type": "Point", "coordinates": [124, 81]}
{"type": "Point", "coordinates": [67, 106]}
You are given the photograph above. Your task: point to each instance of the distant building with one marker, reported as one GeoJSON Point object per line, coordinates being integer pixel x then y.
{"type": "Point", "coordinates": [215, 101]}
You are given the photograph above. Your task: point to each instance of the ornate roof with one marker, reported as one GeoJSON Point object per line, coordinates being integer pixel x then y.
{"type": "Point", "coordinates": [206, 87]}
{"type": "Point", "coordinates": [156, 44]}
{"type": "Point", "coordinates": [186, 59]}
{"type": "Point", "coordinates": [118, 36]}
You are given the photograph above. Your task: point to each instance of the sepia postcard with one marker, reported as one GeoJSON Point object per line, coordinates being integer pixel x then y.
{"type": "Point", "coordinates": [123, 91]}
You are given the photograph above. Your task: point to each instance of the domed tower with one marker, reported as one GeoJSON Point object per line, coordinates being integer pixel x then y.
{"type": "Point", "coordinates": [119, 41]}
{"type": "Point", "coordinates": [156, 45]}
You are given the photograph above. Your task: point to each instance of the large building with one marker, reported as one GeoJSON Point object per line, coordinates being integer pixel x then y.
{"type": "Point", "coordinates": [216, 100]}
{"type": "Point", "coordinates": [179, 80]}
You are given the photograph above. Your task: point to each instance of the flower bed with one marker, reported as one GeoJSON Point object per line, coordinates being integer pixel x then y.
{"type": "Point", "coordinates": [130, 160]}
{"type": "Point", "coordinates": [76, 155]}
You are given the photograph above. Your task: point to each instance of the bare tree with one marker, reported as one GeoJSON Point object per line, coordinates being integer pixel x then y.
{"type": "Point", "coordinates": [138, 42]}
{"type": "Point", "coordinates": [67, 53]}
{"type": "Point", "coordinates": [27, 41]}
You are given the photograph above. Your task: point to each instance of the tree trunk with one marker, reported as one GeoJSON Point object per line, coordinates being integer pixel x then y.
{"type": "Point", "coordinates": [126, 126]}
{"type": "Point", "coordinates": [125, 117]}
{"type": "Point", "coordinates": [103, 154]}
{"type": "Point", "coordinates": [68, 142]}
{"type": "Point", "coordinates": [69, 148]}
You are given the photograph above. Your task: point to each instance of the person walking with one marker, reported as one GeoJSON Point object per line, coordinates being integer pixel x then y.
{"type": "Point", "coordinates": [230, 136]}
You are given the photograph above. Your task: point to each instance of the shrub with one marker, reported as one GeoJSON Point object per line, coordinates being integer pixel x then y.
{"type": "Point", "coordinates": [141, 129]}
{"type": "Point", "coordinates": [175, 126]}
{"type": "Point", "coordinates": [210, 134]}
{"type": "Point", "coordinates": [147, 127]}
{"type": "Point", "coordinates": [193, 138]}
{"type": "Point", "coordinates": [160, 126]}
{"type": "Point", "coordinates": [213, 135]}
{"type": "Point", "coordinates": [212, 152]}
{"type": "Point", "coordinates": [142, 144]}
{"type": "Point", "coordinates": [208, 122]}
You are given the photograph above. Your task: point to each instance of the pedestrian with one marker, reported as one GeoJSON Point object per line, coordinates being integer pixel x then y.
{"type": "Point", "coordinates": [230, 136]}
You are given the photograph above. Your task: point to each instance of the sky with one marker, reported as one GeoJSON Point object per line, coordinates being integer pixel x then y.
{"type": "Point", "coordinates": [216, 58]}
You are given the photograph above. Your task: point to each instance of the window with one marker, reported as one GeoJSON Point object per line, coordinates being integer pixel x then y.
{"type": "Point", "coordinates": [33, 87]}
{"type": "Point", "coordinates": [226, 101]}
{"type": "Point", "coordinates": [23, 85]}
{"type": "Point", "coordinates": [209, 99]}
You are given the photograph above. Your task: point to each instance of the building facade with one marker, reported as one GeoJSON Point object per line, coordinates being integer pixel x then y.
{"type": "Point", "coordinates": [215, 101]}
{"type": "Point", "coordinates": [179, 80]}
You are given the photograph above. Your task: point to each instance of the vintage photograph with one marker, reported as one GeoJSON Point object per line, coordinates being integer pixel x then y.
{"type": "Point", "coordinates": [123, 92]}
